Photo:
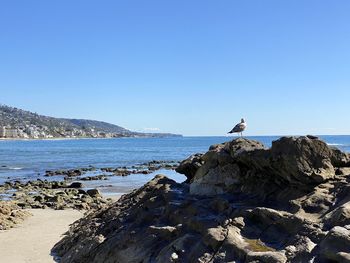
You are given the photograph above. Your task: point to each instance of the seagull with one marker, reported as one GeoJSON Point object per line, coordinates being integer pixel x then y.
{"type": "Point", "coordinates": [239, 128]}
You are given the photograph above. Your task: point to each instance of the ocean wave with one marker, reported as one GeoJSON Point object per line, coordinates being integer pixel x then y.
{"type": "Point", "coordinates": [15, 168]}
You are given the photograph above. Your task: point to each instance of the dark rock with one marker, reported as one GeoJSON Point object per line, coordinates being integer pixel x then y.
{"type": "Point", "coordinates": [339, 216]}
{"type": "Point", "coordinates": [93, 192]}
{"type": "Point", "coordinates": [52, 194]}
{"type": "Point", "coordinates": [38, 198]}
{"type": "Point", "coordinates": [302, 160]}
{"type": "Point", "coordinates": [190, 166]}
{"type": "Point", "coordinates": [76, 185]}
{"type": "Point", "coordinates": [312, 137]}
{"type": "Point", "coordinates": [242, 203]}
{"type": "Point", "coordinates": [93, 178]}
{"type": "Point", "coordinates": [301, 163]}
{"type": "Point", "coordinates": [336, 246]}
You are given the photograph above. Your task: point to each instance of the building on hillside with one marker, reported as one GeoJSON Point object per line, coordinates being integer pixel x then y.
{"type": "Point", "coordinates": [11, 133]}
{"type": "Point", "coordinates": [2, 131]}
{"type": "Point", "coordinates": [21, 134]}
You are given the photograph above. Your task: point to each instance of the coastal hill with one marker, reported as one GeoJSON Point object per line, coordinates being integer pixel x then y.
{"type": "Point", "coordinates": [242, 202]}
{"type": "Point", "coordinates": [18, 123]}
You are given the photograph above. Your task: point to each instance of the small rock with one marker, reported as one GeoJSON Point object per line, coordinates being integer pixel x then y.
{"type": "Point", "coordinates": [93, 192]}
{"type": "Point", "coordinates": [76, 185]}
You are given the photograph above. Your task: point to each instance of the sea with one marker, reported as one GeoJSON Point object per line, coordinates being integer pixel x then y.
{"type": "Point", "coordinates": [29, 159]}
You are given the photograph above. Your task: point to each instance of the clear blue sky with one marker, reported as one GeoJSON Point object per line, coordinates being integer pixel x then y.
{"type": "Point", "coordinates": [187, 66]}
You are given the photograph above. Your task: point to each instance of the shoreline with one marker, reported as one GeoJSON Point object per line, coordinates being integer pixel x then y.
{"type": "Point", "coordinates": [55, 139]}
{"type": "Point", "coordinates": [86, 138]}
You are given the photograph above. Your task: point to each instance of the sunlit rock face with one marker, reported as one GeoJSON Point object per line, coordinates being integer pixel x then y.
{"type": "Point", "coordinates": [246, 165]}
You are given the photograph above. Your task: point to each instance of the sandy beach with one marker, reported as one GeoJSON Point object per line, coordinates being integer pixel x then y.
{"type": "Point", "coordinates": [32, 241]}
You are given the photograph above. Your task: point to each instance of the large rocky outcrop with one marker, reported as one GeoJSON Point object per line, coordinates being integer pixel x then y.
{"type": "Point", "coordinates": [245, 165]}
{"type": "Point", "coordinates": [242, 203]}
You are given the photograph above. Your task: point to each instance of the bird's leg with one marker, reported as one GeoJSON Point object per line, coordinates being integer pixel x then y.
{"type": "Point", "coordinates": [241, 134]}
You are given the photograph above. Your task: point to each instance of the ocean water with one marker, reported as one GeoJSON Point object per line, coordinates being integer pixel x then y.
{"type": "Point", "coordinates": [27, 160]}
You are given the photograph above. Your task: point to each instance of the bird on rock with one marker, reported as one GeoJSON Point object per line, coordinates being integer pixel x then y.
{"type": "Point", "coordinates": [239, 128]}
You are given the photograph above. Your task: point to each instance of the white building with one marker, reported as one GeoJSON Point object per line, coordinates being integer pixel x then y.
{"type": "Point", "coordinates": [11, 133]}
{"type": "Point", "coordinates": [2, 131]}
{"type": "Point", "coordinates": [32, 131]}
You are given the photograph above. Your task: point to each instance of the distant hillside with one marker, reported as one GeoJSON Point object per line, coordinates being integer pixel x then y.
{"type": "Point", "coordinates": [17, 123]}
{"type": "Point", "coordinates": [100, 125]}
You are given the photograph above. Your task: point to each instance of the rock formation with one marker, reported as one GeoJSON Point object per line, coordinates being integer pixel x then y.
{"type": "Point", "coordinates": [10, 215]}
{"type": "Point", "coordinates": [56, 195]}
{"type": "Point", "coordinates": [68, 193]}
{"type": "Point", "coordinates": [242, 202]}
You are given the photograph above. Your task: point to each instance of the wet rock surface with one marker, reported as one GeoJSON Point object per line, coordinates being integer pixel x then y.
{"type": "Point", "coordinates": [68, 192]}
{"type": "Point", "coordinates": [55, 195]}
{"type": "Point", "coordinates": [104, 172]}
{"type": "Point", "coordinates": [242, 203]}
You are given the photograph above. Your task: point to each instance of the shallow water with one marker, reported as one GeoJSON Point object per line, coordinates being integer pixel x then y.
{"type": "Point", "coordinates": [27, 160]}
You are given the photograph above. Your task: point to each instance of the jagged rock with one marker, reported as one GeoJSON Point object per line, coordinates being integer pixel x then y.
{"type": "Point", "coordinates": [339, 158]}
{"type": "Point", "coordinates": [165, 232]}
{"type": "Point", "coordinates": [343, 171]}
{"type": "Point", "coordinates": [340, 216]}
{"type": "Point", "coordinates": [214, 237]}
{"type": "Point", "coordinates": [303, 160]}
{"type": "Point", "coordinates": [301, 250]}
{"type": "Point", "coordinates": [301, 163]}
{"type": "Point", "coordinates": [336, 246]}
{"type": "Point", "coordinates": [51, 194]}
{"type": "Point", "coordinates": [76, 185]}
{"type": "Point", "coordinates": [93, 192]}
{"type": "Point", "coordinates": [10, 215]}
{"type": "Point", "coordinates": [190, 166]}
{"type": "Point", "coordinates": [242, 146]}
{"type": "Point", "coordinates": [245, 203]}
